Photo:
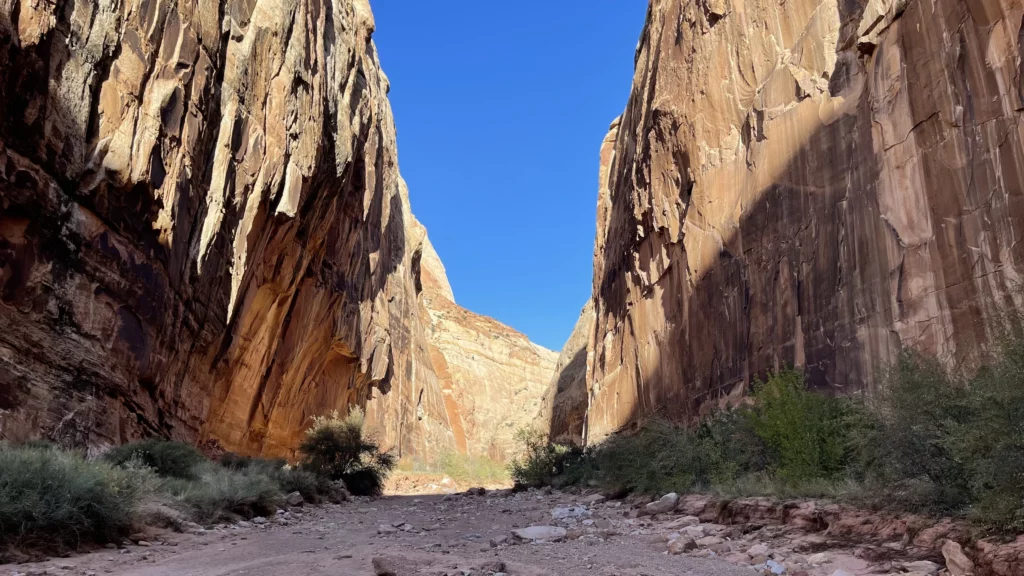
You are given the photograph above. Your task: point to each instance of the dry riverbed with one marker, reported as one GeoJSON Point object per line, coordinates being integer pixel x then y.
{"type": "Point", "coordinates": [474, 534]}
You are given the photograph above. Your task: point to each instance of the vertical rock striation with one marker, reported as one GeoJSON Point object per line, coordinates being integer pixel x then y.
{"type": "Point", "coordinates": [204, 235]}
{"type": "Point", "coordinates": [816, 183]}
{"type": "Point", "coordinates": [203, 228]}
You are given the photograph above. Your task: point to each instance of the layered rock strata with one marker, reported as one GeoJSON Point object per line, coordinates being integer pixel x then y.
{"type": "Point", "coordinates": [813, 183]}
{"type": "Point", "coordinates": [492, 377]}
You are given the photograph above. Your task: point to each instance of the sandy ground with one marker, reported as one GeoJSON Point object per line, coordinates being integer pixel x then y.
{"type": "Point", "coordinates": [438, 535]}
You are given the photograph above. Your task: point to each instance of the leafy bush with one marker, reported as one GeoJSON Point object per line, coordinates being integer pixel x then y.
{"type": "Point", "coordinates": [941, 443]}
{"type": "Point", "coordinates": [992, 441]}
{"type": "Point", "coordinates": [806, 434]}
{"type": "Point", "coordinates": [662, 457]}
{"type": "Point", "coordinates": [170, 459]}
{"type": "Point", "coordinates": [289, 479]}
{"type": "Point", "coordinates": [56, 498]}
{"type": "Point", "coordinates": [905, 445]}
{"type": "Point", "coordinates": [337, 448]}
{"type": "Point", "coordinates": [542, 462]}
{"type": "Point", "coordinates": [217, 493]}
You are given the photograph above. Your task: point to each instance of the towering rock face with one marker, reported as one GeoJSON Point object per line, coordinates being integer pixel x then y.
{"type": "Point", "coordinates": [203, 231]}
{"type": "Point", "coordinates": [492, 377]}
{"type": "Point", "coordinates": [566, 401]}
{"type": "Point", "coordinates": [815, 183]}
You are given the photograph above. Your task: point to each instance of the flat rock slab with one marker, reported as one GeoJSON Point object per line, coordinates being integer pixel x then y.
{"type": "Point", "coordinates": [540, 533]}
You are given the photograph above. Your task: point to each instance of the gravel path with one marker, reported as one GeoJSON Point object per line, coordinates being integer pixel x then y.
{"type": "Point", "coordinates": [409, 535]}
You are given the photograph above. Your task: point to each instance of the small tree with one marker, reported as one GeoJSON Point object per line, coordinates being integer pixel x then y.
{"type": "Point", "coordinates": [805, 433]}
{"type": "Point", "coordinates": [338, 448]}
{"type": "Point", "coordinates": [541, 461]}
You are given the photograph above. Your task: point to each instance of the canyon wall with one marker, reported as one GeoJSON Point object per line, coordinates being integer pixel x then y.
{"type": "Point", "coordinates": [492, 377]}
{"type": "Point", "coordinates": [203, 230]}
{"type": "Point", "coordinates": [565, 400]}
{"type": "Point", "coordinates": [816, 183]}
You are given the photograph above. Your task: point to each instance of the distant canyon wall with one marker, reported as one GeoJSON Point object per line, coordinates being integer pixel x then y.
{"type": "Point", "coordinates": [492, 377]}
{"type": "Point", "coordinates": [204, 234]}
{"type": "Point", "coordinates": [814, 183]}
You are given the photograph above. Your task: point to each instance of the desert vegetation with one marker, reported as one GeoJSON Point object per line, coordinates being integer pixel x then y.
{"type": "Point", "coordinates": [929, 440]}
{"type": "Point", "coordinates": [52, 499]}
{"type": "Point", "coordinates": [462, 469]}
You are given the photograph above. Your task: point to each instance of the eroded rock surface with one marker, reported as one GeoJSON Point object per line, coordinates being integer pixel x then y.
{"type": "Point", "coordinates": [203, 229]}
{"type": "Point", "coordinates": [814, 183]}
{"type": "Point", "coordinates": [492, 377]}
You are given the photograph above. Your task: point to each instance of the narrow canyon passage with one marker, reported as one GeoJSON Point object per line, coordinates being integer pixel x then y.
{"type": "Point", "coordinates": [437, 535]}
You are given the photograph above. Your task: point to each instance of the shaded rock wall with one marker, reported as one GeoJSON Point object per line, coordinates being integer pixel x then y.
{"type": "Point", "coordinates": [817, 183]}
{"type": "Point", "coordinates": [203, 231]}
{"type": "Point", "coordinates": [565, 400]}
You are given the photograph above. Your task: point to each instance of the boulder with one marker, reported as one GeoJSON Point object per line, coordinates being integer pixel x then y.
{"type": "Point", "coordinates": [922, 567]}
{"type": "Point", "coordinates": [957, 563]}
{"type": "Point", "coordinates": [681, 545]}
{"type": "Point", "coordinates": [664, 505]}
{"type": "Point", "coordinates": [567, 512]}
{"type": "Point", "coordinates": [758, 550]}
{"type": "Point", "coordinates": [684, 522]}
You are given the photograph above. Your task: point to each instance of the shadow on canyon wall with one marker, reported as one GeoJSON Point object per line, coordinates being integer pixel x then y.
{"type": "Point", "coordinates": [891, 225]}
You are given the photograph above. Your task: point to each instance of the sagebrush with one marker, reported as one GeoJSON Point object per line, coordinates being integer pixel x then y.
{"type": "Point", "coordinates": [218, 494]}
{"type": "Point", "coordinates": [58, 499]}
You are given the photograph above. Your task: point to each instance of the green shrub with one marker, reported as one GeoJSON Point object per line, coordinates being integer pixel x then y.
{"type": "Point", "coordinates": [169, 459]}
{"type": "Point", "coordinates": [806, 434]}
{"type": "Point", "coordinates": [906, 444]}
{"type": "Point", "coordinates": [542, 462]}
{"type": "Point", "coordinates": [662, 457]}
{"type": "Point", "coordinates": [217, 493]}
{"type": "Point", "coordinates": [941, 443]}
{"type": "Point", "coordinates": [54, 498]}
{"type": "Point", "coordinates": [338, 449]}
{"type": "Point", "coordinates": [992, 441]}
{"type": "Point", "coordinates": [314, 488]}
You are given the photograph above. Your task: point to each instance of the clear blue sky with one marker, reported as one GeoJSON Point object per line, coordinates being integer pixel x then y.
{"type": "Point", "coordinates": [500, 109]}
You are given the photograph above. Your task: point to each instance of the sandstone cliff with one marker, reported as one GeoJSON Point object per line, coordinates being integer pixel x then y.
{"type": "Point", "coordinates": [203, 230]}
{"type": "Point", "coordinates": [565, 400]}
{"type": "Point", "coordinates": [492, 377]}
{"type": "Point", "coordinates": [812, 182]}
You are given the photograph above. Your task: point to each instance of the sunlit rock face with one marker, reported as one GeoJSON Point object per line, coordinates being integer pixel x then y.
{"type": "Point", "coordinates": [492, 377]}
{"type": "Point", "coordinates": [203, 230]}
{"type": "Point", "coordinates": [808, 183]}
